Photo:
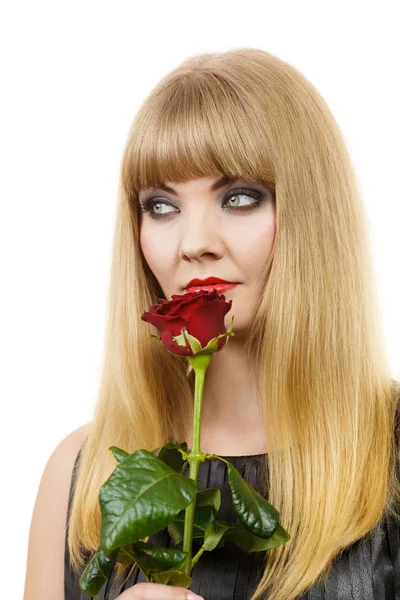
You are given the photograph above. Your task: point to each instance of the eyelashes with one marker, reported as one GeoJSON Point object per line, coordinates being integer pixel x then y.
{"type": "Point", "coordinates": [147, 205]}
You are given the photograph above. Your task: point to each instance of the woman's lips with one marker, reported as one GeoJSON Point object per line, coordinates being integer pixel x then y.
{"type": "Point", "coordinates": [219, 287]}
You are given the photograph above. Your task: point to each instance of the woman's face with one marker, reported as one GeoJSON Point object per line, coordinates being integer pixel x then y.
{"type": "Point", "coordinates": [203, 234]}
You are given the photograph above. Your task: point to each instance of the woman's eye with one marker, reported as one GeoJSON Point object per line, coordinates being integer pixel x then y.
{"type": "Point", "coordinates": [151, 205]}
{"type": "Point", "coordinates": [235, 197]}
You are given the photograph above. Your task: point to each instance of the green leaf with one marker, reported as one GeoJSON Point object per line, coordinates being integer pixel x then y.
{"type": "Point", "coordinates": [220, 532]}
{"type": "Point", "coordinates": [247, 541]}
{"type": "Point", "coordinates": [97, 571]}
{"type": "Point", "coordinates": [119, 454]}
{"type": "Point", "coordinates": [176, 578]}
{"type": "Point", "coordinates": [209, 497]}
{"type": "Point", "coordinates": [154, 559]}
{"type": "Point", "coordinates": [214, 534]}
{"type": "Point", "coordinates": [203, 516]}
{"type": "Point", "coordinates": [208, 502]}
{"type": "Point", "coordinates": [171, 455]}
{"type": "Point", "coordinates": [125, 555]}
{"type": "Point", "coordinates": [253, 511]}
{"type": "Point", "coordinates": [141, 497]}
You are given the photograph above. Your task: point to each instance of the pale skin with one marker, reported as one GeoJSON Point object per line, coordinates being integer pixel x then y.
{"type": "Point", "coordinates": [203, 235]}
{"type": "Point", "coordinates": [157, 591]}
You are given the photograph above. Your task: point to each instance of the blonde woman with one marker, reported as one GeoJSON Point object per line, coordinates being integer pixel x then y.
{"type": "Point", "coordinates": [234, 168]}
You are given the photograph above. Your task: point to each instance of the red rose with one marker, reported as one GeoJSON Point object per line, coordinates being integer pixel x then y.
{"type": "Point", "coordinates": [195, 319]}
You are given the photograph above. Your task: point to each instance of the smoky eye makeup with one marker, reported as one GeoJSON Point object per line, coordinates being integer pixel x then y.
{"type": "Point", "coordinates": [257, 199]}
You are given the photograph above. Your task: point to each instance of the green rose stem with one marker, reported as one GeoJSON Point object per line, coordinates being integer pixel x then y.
{"type": "Point", "coordinates": [199, 363]}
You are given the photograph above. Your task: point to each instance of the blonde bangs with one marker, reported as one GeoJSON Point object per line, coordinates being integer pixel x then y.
{"type": "Point", "coordinates": [197, 126]}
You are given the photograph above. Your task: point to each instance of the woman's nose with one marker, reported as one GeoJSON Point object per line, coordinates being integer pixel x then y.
{"type": "Point", "coordinates": [200, 235]}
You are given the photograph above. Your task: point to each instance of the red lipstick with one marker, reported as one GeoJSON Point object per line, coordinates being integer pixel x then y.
{"type": "Point", "coordinates": [209, 284]}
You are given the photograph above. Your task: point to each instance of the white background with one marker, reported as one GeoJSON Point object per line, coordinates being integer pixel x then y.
{"type": "Point", "coordinates": [73, 75]}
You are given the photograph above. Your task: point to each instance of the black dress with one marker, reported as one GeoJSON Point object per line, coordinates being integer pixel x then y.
{"type": "Point", "coordinates": [367, 570]}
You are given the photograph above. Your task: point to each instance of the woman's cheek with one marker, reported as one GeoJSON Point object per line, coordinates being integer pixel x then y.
{"type": "Point", "coordinates": [156, 252]}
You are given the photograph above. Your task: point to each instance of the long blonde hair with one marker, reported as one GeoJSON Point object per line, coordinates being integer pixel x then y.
{"type": "Point", "coordinates": [328, 400]}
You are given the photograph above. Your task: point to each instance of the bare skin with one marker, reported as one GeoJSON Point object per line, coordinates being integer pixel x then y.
{"type": "Point", "coordinates": [157, 591]}
{"type": "Point", "coordinates": [203, 235]}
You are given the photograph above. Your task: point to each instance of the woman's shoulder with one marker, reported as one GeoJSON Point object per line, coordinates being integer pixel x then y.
{"type": "Point", "coordinates": [78, 436]}
{"type": "Point", "coordinates": [65, 453]}
{"type": "Point", "coordinates": [72, 449]}
{"type": "Point", "coordinates": [63, 461]}
{"type": "Point", "coordinates": [68, 450]}
{"type": "Point", "coordinates": [47, 530]}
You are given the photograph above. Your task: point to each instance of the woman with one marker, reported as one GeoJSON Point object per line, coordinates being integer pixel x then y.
{"type": "Point", "coordinates": [235, 168]}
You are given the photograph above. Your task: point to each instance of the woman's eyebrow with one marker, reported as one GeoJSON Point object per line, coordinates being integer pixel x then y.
{"type": "Point", "coordinates": [215, 186]}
